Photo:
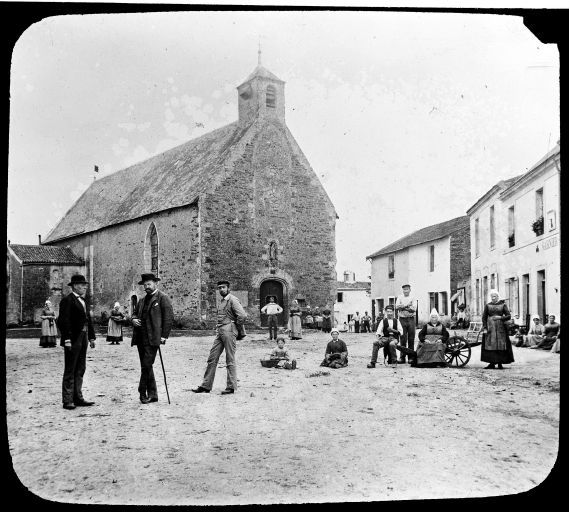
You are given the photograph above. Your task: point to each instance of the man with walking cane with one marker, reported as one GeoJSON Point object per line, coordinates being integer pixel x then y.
{"type": "Point", "coordinates": [151, 322]}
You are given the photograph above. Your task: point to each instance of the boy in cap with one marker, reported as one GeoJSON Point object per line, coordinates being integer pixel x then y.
{"type": "Point", "coordinates": [336, 355]}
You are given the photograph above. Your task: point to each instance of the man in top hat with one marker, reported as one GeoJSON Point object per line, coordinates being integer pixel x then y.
{"type": "Point", "coordinates": [230, 317]}
{"type": "Point", "coordinates": [406, 307]}
{"type": "Point", "coordinates": [388, 333]}
{"type": "Point", "coordinates": [75, 325]}
{"type": "Point", "coordinates": [272, 310]}
{"type": "Point", "coordinates": [152, 322]}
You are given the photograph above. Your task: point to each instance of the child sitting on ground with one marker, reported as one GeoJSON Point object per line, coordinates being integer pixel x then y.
{"type": "Point", "coordinates": [281, 353]}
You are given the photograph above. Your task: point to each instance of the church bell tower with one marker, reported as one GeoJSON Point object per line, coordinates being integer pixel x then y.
{"type": "Point", "coordinates": [261, 95]}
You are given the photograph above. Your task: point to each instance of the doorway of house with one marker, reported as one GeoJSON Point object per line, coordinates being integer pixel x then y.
{"type": "Point", "coordinates": [275, 288]}
{"type": "Point", "coordinates": [541, 303]}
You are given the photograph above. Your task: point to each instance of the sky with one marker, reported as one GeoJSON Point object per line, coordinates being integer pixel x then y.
{"type": "Point", "coordinates": [406, 118]}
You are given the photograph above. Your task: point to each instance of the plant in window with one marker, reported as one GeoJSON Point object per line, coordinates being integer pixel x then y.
{"type": "Point", "coordinates": [537, 226]}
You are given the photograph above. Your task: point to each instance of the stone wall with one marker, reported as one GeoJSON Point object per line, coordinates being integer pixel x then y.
{"type": "Point", "coordinates": [271, 196]}
{"type": "Point", "coordinates": [460, 261]}
{"type": "Point", "coordinates": [118, 260]}
{"type": "Point", "coordinates": [13, 290]}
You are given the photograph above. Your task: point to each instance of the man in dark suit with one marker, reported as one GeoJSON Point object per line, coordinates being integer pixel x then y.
{"type": "Point", "coordinates": [75, 325]}
{"type": "Point", "coordinates": [152, 322]}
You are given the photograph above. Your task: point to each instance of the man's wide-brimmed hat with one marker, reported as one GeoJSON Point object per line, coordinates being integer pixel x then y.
{"type": "Point", "coordinates": [77, 279]}
{"type": "Point", "coordinates": [389, 307]}
{"type": "Point", "coordinates": [406, 286]}
{"type": "Point", "coordinates": [223, 282]}
{"type": "Point", "coordinates": [148, 277]}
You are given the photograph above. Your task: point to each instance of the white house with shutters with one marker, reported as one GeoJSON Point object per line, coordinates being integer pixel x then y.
{"type": "Point", "coordinates": [351, 296]}
{"type": "Point", "coordinates": [515, 242]}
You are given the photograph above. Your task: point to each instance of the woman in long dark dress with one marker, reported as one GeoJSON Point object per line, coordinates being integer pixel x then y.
{"type": "Point", "coordinates": [496, 344]}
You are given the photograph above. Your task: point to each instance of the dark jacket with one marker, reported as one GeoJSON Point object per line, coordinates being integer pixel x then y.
{"type": "Point", "coordinates": [72, 318]}
{"type": "Point", "coordinates": [158, 320]}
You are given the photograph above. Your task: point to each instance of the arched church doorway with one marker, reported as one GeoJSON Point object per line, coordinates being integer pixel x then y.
{"type": "Point", "coordinates": [275, 288]}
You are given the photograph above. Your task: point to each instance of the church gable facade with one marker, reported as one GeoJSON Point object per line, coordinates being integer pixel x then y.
{"type": "Point", "coordinates": [241, 203]}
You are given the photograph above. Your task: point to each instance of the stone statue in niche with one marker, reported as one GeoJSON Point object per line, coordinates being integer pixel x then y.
{"type": "Point", "coordinates": [273, 255]}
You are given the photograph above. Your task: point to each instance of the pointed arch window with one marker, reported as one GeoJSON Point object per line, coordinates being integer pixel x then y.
{"type": "Point", "coordinates": [271, 96]}
{"type": "Point", "coordinates": [151, 250]}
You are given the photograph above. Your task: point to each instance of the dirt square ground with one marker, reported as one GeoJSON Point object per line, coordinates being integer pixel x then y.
{"type": "Point", "coordinates": [354, 434]}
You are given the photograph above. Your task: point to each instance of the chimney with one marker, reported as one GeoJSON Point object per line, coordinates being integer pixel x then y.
{"type": "Point", "coordinates": [39, 239]}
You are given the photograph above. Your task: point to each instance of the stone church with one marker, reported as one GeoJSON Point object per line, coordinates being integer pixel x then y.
{"type": "Point", "coordinates": [240, 203]}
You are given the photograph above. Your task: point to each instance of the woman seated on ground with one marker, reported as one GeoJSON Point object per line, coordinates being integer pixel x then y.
{"type": "Point", "coordinates": [432, 343]}
{"type": "Point", "coordinates": [336, 355]}
{"type": "Point", "coordinates": [550, 333]}
{"type": "Point", "coordinates": [535, 334]}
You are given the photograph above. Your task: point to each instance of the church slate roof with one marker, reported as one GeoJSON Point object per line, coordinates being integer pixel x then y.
{"type": "Point", "coordinates": [428, 234]}
{"type": "Point", "coordinates": [30, 254]}
{"type": "Point", "coordinates": [171, 179]}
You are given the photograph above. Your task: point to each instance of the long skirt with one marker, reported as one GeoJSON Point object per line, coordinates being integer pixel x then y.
{"type": "Point", "coordinates": [48, 336]}
{"type": "Point", "coordinates": [531, 340]}
{"type": "Point", "coordinates": [48, 341]}
{"type": "Point", "coordinates": [497, 335]}
{"type": "Point", "coordinates": [114, 331]}
{"type": "Point", "coordinates": [295, 327]}
{"type": "Point", "coordinates": [431, 353]}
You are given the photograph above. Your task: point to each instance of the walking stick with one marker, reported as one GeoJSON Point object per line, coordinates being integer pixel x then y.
{"type": "Point", "coordinates": [164, 372]}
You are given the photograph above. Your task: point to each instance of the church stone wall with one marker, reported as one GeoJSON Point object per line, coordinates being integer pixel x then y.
{"type": "Point", "coordinates": [117, 261]}
{"type": "Point", "coordinates": [270, 196]}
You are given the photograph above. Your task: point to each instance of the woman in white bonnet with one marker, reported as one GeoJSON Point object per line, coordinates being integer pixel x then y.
{"type": "Point", "coordinates": [48, 328]}
{"type": "Point", "coordinates": [114, 331]}
{"type": "Point", "coordinates": [496, 344]}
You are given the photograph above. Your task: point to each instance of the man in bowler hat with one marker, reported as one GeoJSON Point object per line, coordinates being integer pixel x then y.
{"type": "Point", "coordinates": [230, 318]}
{"type": "Point", "coordinates": [75, 325]}
{"type": "Point", "coordinates": [152, 322]}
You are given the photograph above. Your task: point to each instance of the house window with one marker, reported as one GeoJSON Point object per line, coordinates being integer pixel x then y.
{"type": "Point", "coordinates": [340, 297]}
{"type": "Point", "coordinates": [391, 266]}
{"type": "Point", "coordinates": [492, 281]}
{"type": "Point", "coordinates": [443, 303]}
{"type": "Point", "coordinates": [478, 297]}
{"type": "Point", "coordinates": [492, 228]}
{"type": "Point", "coordinates": [151, 250]}
{"type": "Point", "coordinates": [301, 303]}
{"type": "Point", "coordinates": [477, 237]}
{"type": "Point", "coordinates": [380, 305]}
{"type": "Point", "coordinates": [511, 226]}
{"type": "Point", "coordinates": [433, 301]}
{"type": "Point", "coordinates": [271, 96]}
{"type": "Point", "coordinates": [484, 290]}
{"type": "Point", "coordinates": [537, 225]}
{"type": "Point", "coordinates": [431, 258]}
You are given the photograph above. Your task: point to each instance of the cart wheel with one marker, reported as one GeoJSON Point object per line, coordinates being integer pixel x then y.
{"type": "Point", "coordinates": [457, 352]}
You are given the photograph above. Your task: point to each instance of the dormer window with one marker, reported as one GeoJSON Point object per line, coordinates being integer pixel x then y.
{"type": "Point", "coordinates": [271, 96]}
